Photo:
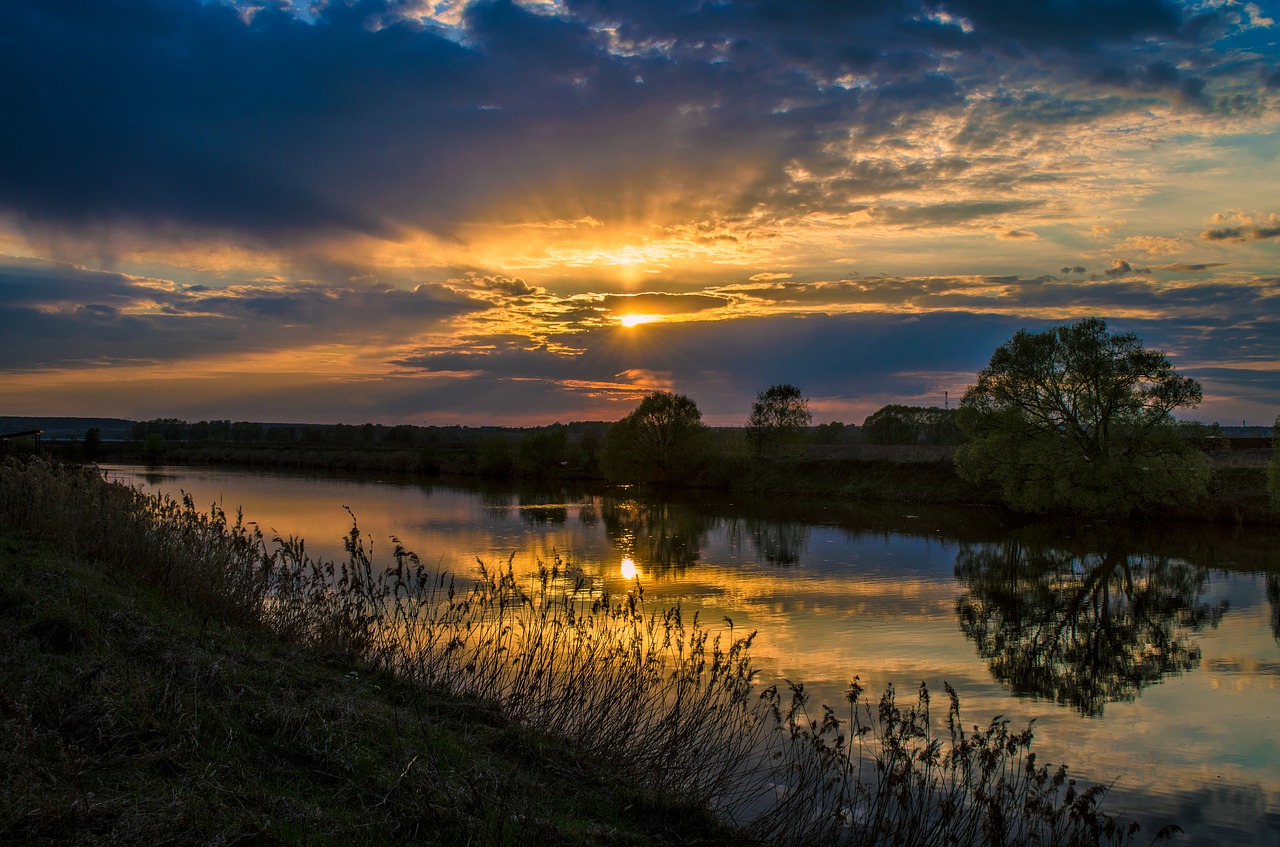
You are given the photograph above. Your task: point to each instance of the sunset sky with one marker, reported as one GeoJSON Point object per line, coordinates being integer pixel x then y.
{"type": "Point", "coordinates": [406, 211]}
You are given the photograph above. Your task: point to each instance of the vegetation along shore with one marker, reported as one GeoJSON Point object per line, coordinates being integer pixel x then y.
{"type": "Point", "coordinates": [1072, 421]}
{"type": "Point", "coordinates": [172, 676]}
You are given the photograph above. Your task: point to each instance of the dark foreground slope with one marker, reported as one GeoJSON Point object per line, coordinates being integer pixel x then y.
{"type": "Point", "coordinates": [128, 718]}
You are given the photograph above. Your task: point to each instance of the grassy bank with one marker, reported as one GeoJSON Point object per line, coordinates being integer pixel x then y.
{"type": "Point", "coordinates": [172, 676]}
{"type": "Point", "coordinates": [130, 718]}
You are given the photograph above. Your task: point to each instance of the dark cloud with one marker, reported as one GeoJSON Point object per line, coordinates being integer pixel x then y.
{"type": "Point", "coordinates": [361, 117]}
{"type": "Point", "coordinates": [1190, 268]}
{"type": "Point", "coordinates": [945, 214]}
{"type": "Point", "coordinates": [1121, 267]}
{"type": "Point", "coordinates": [1076, 25]}
{"type": "Point", "coordinates": [659, 303]}
{"type": "Point", "coordinates": [515, 286]}
{"type": "Point", "coordinates": [1241, 233]}
{"type": "Point", "coordinates": [55, 316]}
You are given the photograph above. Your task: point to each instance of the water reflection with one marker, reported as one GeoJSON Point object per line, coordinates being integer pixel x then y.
{"type": "Point", "coordinates": [1079, 627]}
{"type": "Point", "coordinates": [837, 589]}
{"type": "Point", "coordinates": [1273, 596]}
{"type": "Point", "coordinates": [776, 542]}
{"type": "Point", "coordinates": [658, 537]}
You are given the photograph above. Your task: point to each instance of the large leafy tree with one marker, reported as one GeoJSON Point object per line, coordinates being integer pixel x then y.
{"type": "Point", "coordinates": [1079, 419]}
{"type": "Point", "coordinates": [778, 419]}
{"type": "Point", "coordinates": [662, 441]}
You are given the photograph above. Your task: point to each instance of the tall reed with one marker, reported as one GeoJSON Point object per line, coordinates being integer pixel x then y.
{"type": "Point", "coordinates": [675, 704]}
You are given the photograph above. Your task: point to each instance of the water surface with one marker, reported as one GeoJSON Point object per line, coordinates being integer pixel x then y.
{"type": "Point", "coordinates": [1151, 658]}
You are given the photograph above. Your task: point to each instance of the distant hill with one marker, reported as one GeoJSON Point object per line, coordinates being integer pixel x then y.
{"type": "Point", "coordinates": [69, 428]}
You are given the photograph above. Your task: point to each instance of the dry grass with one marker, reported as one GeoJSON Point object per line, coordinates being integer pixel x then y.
{"type": "Point", "coordinates": [671, 704]}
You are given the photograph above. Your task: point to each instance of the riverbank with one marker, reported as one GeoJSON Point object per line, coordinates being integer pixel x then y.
{"type": "Point", "coordinates": [170, 675]}
{"type": "Point", "coordinates": [1237, 493]}
{"type": "Point", "coordinates": [133, 718]}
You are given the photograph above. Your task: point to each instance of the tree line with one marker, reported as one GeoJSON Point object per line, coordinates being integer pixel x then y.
{"type": "Point", "coordinates": [1071, 420]}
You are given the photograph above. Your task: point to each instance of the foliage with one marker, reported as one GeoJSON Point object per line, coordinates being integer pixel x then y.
{"type": "Point", "coordinates": [671, 703]}
{"type": "Point", "coordinates": [896, 424]}
{"type": "Point", "coordinates": [1077, 419]}
{"type": "Point", "coordinates": [1273, 467]}
{"type": "Point", "coordinates": [662, 441]}
{"type": "Point", "coordinates": [153, 448]}
{"type": "Point", "coordinates": [829, 433]}
{"type": "Point", "coordinates": [92, 442]}
{"type": "Point", "coordinates": [920, 786]}
{"type": "Point", "coordinates": [779, 418]}
{"type": "Point", "coordinates": [543, 451]}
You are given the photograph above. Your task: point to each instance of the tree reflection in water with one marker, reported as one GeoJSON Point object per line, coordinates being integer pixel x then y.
{"type": "Point", "coordinates": [1079, 627]}
{"type": "Point", "coordinates": [659, 536]}
{"type": "Point", "coordinates": [778, 543]}
{"type": "Point", "coordinates": [1273, 595]}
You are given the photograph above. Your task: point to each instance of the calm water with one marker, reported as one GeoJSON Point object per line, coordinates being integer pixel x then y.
{"type": "Point", "coordinates": [1153, 660]}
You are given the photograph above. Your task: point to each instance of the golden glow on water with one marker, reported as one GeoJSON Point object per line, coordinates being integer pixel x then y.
{"type": "Point", "coordinates": [827, 603]}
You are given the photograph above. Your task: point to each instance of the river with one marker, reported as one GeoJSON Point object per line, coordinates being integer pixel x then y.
{"type": "Point", "coordinates": [1147, 658]}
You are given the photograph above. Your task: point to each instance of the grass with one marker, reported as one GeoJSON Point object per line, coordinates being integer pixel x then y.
{"type": "Point", "coordinates": [172, 676]}
{"type": "Point", "coordinates": [130, 718]}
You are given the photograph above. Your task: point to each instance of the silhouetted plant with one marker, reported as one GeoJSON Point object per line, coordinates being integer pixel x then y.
{"type": "Point", "coordinates": [779, 418]}
{"type": "Point", "coordinates": [663, 440]}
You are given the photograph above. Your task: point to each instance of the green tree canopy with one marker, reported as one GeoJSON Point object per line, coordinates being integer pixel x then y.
{"type": "Point", "coordinates": [661, 441]}
{"type": "Point", "coordinates": [1079, 419]}
{"type": "Point", "coordinates": [778, 419]}
{"type": "Point", "coordinates": [895, 424]}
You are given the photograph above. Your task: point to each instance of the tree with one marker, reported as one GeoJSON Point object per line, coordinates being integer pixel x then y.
{"type": "Point", "coordinates": [895, 424]}
{"type": "Point", "coordinates": [1078, 419]}
{"type": "Point", "coordinates": [92, 442]}
{"type": "Point", "coordinates": [662, 440]}
{"type": "Point", "coordinates": [778, 419]}
{"type": "Point", "coordinates": [1273, 467]}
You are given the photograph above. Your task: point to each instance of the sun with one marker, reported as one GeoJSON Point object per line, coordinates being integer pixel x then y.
{"type": "Point", "coordinates": [636, 320]}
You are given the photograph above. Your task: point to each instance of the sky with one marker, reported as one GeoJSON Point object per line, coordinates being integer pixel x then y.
{"type": "Point", "coordinates": [462, 212]}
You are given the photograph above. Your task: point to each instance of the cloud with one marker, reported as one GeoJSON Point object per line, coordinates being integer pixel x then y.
{"type": "Point", "coordinates": [514, 286]}
{"type": "Point", "coordinates": [1120, 267]}
{"type": "Point", "coordinates": [1242, 227]}
{"type": "Point", "coordinates": [376, 119]}
{"type": "Point", "coordinates": [1152, 245]}
{"type": "Point", "coordinates": [950, 214]}
{"type": "Point", "coordinates": [54, 315]}
{"type": "Point", "coordinates": [659, 303]}
{"type": "Point", "coordinates": [411, 194]}
{"type": "Point", "coordinates": [1198, 267]}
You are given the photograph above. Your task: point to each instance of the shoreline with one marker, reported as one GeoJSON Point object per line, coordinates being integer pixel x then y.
{"type": "Point", "coordinates": [1237, 493]}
